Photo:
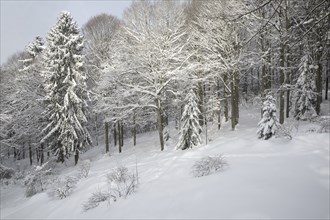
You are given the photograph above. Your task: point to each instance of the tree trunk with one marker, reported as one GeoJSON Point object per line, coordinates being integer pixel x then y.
{"type": "Point", "coordinates": [76, 156]}
{"type": "Point", "coordinates": [287, 59]}
{"type": "Point", "coordinates": [283, 37]}
{"type": "Point", "coordinates": [288, 103]}
{"type": "Point", "coordinates": [115, 134]}
{"type": "Point", "coordinates": [176, 122]}
{"type": "Point", "coordinates": [30, 154]}
{"type": "Point", "coordinates": [219, 119]}
{"type": "Point", "coordinates": [122, 134]}
{"type": "Point", "coordinates": [160, 124]}
{"type": "Point", "coordinates": [236, 89]}
{"type": "Point", "coordinates": [38, 154]}
{"type": "Point", "coordinates": [318, 82]}
{"type": "Point", "coordinates": [219, 105]}
{"type": "Point", "coordinates": [281, 84]}
{"type": "Point", "coordinates": [134, 129]}
{"type": "Point", "coordinates": [23, 151]}
{"type": "Point", "coordinates": [106, 128]}
{"type": "Point", "coordinates": [200, 94]}
{"type": "Point", "coordinates": [181, 111]}
{"type": "Point", "coordinates": [288, 82]}
{"type": "Point", "coordinates": [327, 84]}
{"type": "Point", "coordinates": [60, 156]}
{"type": "Point", "coordinates": [96, 131]}
{"type": "Point", "coordinates": [233, 104]}
{"type": "Point", "coordinates": [225, 91]}
{"type": "Point", "coordinates": [41, 154]}
{"type": "Point", "coordinates": [119, 136]}
{"type": "Point", "coordinates": [205, 132]}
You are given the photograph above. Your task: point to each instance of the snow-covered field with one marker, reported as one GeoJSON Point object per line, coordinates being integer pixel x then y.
{"type": "Point", "coordinates": [273, 179]}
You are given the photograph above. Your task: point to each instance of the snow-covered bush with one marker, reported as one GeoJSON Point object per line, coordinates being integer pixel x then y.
{"type": "Point", "coordinates": [208, 165]}
{"type": "Point", "coordinates": [62, 188]}
{"type": "Point", "coordinates": [37, 180]}
{"type": "Point", "coordinates": [122, 182]}
{"type": "Point", "coordinates": [324, 123]}
{"type": "Point", "coordinates": [269, 124]}
{"type": "Point", "coordinates": [6, 172]}
{"type": "Point", "coordinates": [284, 131]}
{"type": "Point", "coordinates": [96, 198]}
{"type": "Point", "coordinates": [84, 168]}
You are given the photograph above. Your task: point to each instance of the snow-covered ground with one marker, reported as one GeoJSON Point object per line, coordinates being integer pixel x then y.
{"type": "Point", "coordinates": [273, 179]}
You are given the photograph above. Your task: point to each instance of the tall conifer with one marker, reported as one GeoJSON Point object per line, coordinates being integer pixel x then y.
{"type": "Point", "coordinates": [66, 89]}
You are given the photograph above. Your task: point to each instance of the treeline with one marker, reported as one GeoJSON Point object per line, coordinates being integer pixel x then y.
{"type": "Point", "coordinates": [136, 74]}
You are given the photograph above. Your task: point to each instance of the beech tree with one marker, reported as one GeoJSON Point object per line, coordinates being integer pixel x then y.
{"type": "Point", "coordinates": [21, 103]}
{"type": "Point", "coordinates": [154, 42]}
{"type": "Point", "coordinates": [11, 104]}
{"type": "Point", "coordinates": [67, 93]}
{"type": "Point", "coordinates": [101, 35]}
{"type": "Point", "coordinates": [216, 37]}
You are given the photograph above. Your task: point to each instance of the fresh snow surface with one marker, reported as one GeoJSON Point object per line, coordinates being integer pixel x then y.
{"type": "Point", "coordinates": [265, 179]}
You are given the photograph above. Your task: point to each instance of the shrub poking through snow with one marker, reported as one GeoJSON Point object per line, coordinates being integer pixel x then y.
{"type": "Point", "coordinates": [84, 168]}
{"type": "Point", "coordinates": [324, 123]}
{"type": "Point", "coordinates": [96, 198]}
{"type": "Point", "coordinates": [37, 180]}
{"type": "Point", "coordinates": [269, 124]}
{"type": "Point", "coordinates": [62, 188]}
{"type": "Point", "coordinates": [284, 131]}
{"type": "Point", "coordinates": [208, 165]}
{"type": "Point", "coordinates": [6, 172]}
{"type": "Point", "coordinates": [122, 182]}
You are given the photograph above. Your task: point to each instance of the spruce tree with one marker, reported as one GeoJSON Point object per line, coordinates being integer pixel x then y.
{"type": "Point", "coordinates": [190, 131]}
{"type": "Point", "coordinates": [304, 96]}
{"type": "Point", "coordinates": [66, 89]}
{"type": "Point", "coordinates": [34, 52]}
{"type": "Point", "coordinates": [36, 47]}
{"type": "Point", "coordinates": [269, 124]}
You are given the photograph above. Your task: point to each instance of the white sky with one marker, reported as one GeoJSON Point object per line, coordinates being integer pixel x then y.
{"type": "Point", "coordinates": [23, 20]}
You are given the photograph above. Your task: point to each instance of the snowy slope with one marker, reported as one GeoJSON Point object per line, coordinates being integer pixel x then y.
{"type": "Point", "coordinates": [272, 179]}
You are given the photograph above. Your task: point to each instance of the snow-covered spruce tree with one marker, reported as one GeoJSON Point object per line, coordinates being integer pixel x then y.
{"type": "Point", "coordinates": [66, 89]}
{"type": "Point", "coordinates": [268, 124]}
{"type": "Point", "coordinates": [36, 47]}
{"type": "Point", "coordinates": [190, 131]}
{"type": "Point", "coordinates": [304, 96]}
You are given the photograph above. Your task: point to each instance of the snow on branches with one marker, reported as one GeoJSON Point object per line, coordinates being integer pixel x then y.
{"type": "Point", "coordinates": [269, 123]}
{"type": "Point", "coordinates": [190, 131]}
{"type": "Point", "coordinates": [304, 95]}
{"type": "Point", "coordinates": [66, 89]}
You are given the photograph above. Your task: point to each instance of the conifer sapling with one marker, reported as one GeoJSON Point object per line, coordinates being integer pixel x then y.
{"type": "Point", "coordinates": [190, 131]}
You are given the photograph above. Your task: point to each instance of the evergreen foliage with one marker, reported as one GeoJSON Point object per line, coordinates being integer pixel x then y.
{"type": "Point", "coordinates": [190, 131]}
{"type": "Point", "coordinates": [304, 96]}
{"type": "Point", "coordinates": [268, 124]}
{"type": "Point", "coordinates": [36, 47]}
{"type": "Point", "coordinates": [66, 89]}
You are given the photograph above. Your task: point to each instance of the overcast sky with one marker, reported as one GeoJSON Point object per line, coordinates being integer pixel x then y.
{"type": "Point", "coordinates": [23, 20]}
